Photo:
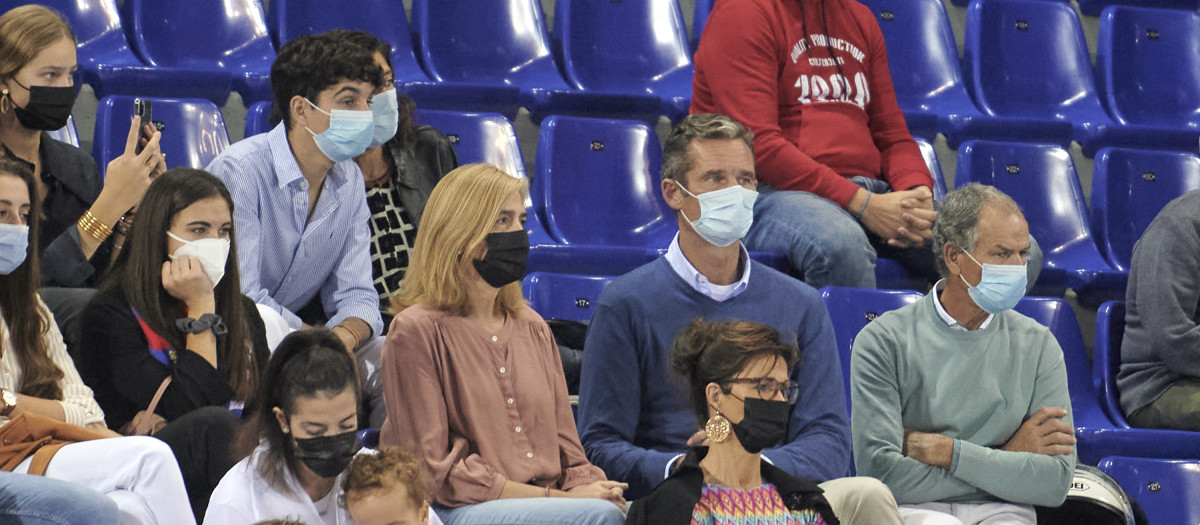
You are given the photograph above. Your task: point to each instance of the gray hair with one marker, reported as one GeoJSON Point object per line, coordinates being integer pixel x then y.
{"type": "Point", "coordinates": [676, 162]}
{"type": "Point", "coordinates": [958, 218]}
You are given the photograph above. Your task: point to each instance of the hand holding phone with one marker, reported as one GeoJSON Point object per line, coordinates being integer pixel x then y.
{"type": "Point", "coordinates": [144, 109]}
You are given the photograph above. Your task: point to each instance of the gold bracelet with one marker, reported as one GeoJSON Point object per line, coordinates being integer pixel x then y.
{"type": "Point", "coordinates": [90, 224]}
{"type": "Point", "coordinates": [352, 334]}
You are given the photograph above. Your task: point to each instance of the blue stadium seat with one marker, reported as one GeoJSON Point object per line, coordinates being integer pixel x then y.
{"type": "Point", "coordinates": [108, 64]}
{"type": "Point", "coordinates": [369, 437]}
{"type": "Point", "coordinates": [500, 51]}
{"type": "Point", "coordinates": [635, 47]}
{"type": "Point", "coordinates": [851, 309]}
{"type": "Point", "coordinates": [258, 118]}
{"type": "Point", "coordinates": [193, 130]}
{"type": "Point", "coordinates": [1042, 179]}
{"type": "Point", "coordinates": [1094, 7]}
{"type": "Point", "coordinates": [563, 296]}
{"type": "Point", "coordinates": [597, 183]}
{"type": "Point", "coordinates": [1106, 359]}
{"type": "Point", "coordinates": [385, 19]}
{"type": "Point", "coordinates": [700, 11]}
{"type": "Point", "coordinates": [923, 60]}
{"type": "Point", "coordinates": [935, 168]}
{"type": "Point", "coordinates": [1129, 188]}
{"type": "Point", "coordinates": [478, 137]}
{"type": "Point", "coordinates": [224, 39]}
{"type": "Point", "coordinates": [1165, 488]}
{"type": "Point", "coordinates": [1027, 60]}
{"type": "Point", "coordinates": [1146, 64]}
{"type": "Point", "coordinates": [67, 133]}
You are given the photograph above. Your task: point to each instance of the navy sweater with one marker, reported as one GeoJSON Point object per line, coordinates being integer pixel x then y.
{"type": "Point", "coordinates": [634, 413]}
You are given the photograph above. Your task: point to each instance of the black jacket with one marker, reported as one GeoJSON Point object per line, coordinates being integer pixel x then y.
{"type": "Point", "coordinates": [673, 500]}
{"type": "Point", "coordinates": [420, 167]}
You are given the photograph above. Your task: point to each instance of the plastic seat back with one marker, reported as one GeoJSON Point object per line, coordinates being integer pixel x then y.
{"type": "Point", "coordinates": [1129, 188]}
{"type": "Point", "coordinates": [1148, 66]}
{"type": "Point", "coordinates": [193, 130]}
{"type": "Point", "coordinates": [922, 54]}
{"type": "Point", "coordinates": [1028, 58]}
{"type": "Point", "coordinates": [623, 46]}
{"type": "Point", "coordinates": [1106, 359]}
{"type": "Point", "coordinates": [597, 183]}
{"type": "Point", "coordinates": [258, 118]}
{"type": "Point", "coordinates": [1057, 315]}
{"type": "Point", "coordinates": [385, 19]}
{"type": "Point", "coordinates": [67, 133]}
{"type": "Point", "coordinates": [851, 309]}
{"type": "Point", "coordinates": [1041, 178]}
{"type": "Point", "coordinates": [563, 296]}
{"type": "Point", "coordinates": [168, 33]}
{"type": "Point", "coordinates": [478, 137]}
{"type": "Point", "coordinates": [1165, 488]}
{"type": "Point", "coordinates": [97, 27]}
{"type": "Point", "coordinates": [935, 168]}
{"type": "Point", "coordinates": [486, 41]}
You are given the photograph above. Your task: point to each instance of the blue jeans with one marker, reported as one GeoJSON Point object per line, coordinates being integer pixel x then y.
{"type": "Point", "coordinates": [534, 511]}
{"type": "Point", "coordinates": [828, 247]}
{"type": "Point", "coordinates": [35, 500]}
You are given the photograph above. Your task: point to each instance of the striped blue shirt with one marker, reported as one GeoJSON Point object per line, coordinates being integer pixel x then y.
{"type": "Point", "coordinates": [284, 261]}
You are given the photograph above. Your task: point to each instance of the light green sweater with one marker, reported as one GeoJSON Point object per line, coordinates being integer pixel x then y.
{"type": "Point", "coordinates": [910, 370]}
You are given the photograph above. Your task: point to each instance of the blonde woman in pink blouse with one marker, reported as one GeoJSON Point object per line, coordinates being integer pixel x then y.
{"type": "Point", "coordinates": [472, 379]}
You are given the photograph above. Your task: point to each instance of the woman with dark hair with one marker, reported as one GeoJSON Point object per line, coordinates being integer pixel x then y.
{"type": "Point", "coordinates": [736, 373]}
{"type": "Point", "coordinates": [403, 164]}
{"type": "Point", "coordinates": [172, 308]}
{"type": "Point", "coordinates": [299, 439]}
{"type": "Point", "coordinates": [471, 375]}
{"type": "Point", "coordinates": [82, 211]}
{"type": "Point", "coordinates": [39, 381]}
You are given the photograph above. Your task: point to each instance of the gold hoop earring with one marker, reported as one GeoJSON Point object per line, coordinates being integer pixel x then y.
{"type": "Point", "coordinates": [6, 102]}
{"type": "Point", "coordinates": [717, 429]}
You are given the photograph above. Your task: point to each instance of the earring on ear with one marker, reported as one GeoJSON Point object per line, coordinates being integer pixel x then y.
{"type": "Point", "coordinates": [717, 429]}
{"type": "Point", "coordinates": [6, 102]}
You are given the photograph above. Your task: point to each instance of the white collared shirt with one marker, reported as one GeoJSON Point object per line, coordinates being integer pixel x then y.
{"type": "Point", "coordinates": [950, 321]}
{"type": "Point", "coordinates": [699, 282]}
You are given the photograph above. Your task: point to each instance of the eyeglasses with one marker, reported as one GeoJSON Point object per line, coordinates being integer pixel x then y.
{"type": "Point", "coordinates": [767, 387]}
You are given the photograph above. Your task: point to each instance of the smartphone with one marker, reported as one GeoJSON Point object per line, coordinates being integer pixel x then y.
{"type": "Point", "coordinates": [142, 108]}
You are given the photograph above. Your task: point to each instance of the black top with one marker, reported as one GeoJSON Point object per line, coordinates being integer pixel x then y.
{"type": "Point", "coordinates": [124, 375]}
{"type": "Point", "coordinates": [73, 183]}
{"type": "Point", "coordinates": [420, 167]}
{"type": "Point", "coordinates": [673, 500]}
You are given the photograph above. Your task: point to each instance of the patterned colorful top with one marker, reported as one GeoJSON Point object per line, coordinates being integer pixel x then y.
{"type": "Point", "coordinates": [761, 506]}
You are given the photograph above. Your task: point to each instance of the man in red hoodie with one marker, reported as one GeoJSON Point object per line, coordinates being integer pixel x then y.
{"type": "Point", "coordinates": [843, 178]}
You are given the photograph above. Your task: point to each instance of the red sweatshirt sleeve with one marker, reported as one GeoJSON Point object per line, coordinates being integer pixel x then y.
{"type": "Point", "coordinates": [738, 65]}
{"type": "Point", "coordinates": [902, 165]}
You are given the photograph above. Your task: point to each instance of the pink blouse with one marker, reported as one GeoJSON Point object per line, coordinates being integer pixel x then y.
{"type": "Point", "coordinates": [480, 408]}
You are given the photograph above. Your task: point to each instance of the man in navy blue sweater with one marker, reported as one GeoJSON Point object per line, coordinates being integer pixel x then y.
{"type": "Point", "coordinates": [634, 418]}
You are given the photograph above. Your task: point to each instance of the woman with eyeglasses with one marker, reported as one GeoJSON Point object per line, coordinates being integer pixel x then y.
{"type": "Point", "coordinates": [736, 373]}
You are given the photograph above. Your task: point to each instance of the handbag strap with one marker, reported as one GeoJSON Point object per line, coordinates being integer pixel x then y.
{"type": "Point", "coordinates": [41, 458]}
{"type": "Point", "coordinates": [158, 395]}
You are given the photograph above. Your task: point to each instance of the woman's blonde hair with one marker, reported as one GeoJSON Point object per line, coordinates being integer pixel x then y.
{"type": "Point", "coordinates": [457, 218]}
{"type": "Point", "coordinates": [24, 32]}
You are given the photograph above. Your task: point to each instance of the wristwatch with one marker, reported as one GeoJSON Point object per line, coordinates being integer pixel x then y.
{"type": "Point", "coordinates": [10, 402]}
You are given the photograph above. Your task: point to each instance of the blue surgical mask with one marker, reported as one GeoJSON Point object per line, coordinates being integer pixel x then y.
{"type": "Point", "coordinates": [725, 214]}
{"type": "Point", "coordinates": [1000, 287]}
{"type": "Point", "coordinates": [349, 133]}
{"type": "Point", "coordinates": [14, 244]}
{"type": "Point", "coordinates": [386, 110]}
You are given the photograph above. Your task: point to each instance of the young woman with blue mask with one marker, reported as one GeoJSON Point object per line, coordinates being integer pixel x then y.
{"type": "Point", "coordinates": [39, 379]}
{"type": "Point", "coordinates": [172, 308]}
{"type": "Point", "coordinates": [403, 164]}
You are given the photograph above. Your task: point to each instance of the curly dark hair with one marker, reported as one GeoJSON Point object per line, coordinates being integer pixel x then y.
{"type": "Point", "coordinates": [714, 352]}
{"type": "Point", "coordinates": [406, 129]}
{"type": "Point", "coordinates": [310, 64]}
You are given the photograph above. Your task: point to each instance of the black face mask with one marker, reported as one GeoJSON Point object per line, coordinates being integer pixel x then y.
{"type": "Point", "coordinates": [505, 259]}
{"type": "Point", "coordinates": [328, 456]}
{"type": "Point", "coordinates": [48, 107]}
{"type": "Point", "coordinates": [764, 424]}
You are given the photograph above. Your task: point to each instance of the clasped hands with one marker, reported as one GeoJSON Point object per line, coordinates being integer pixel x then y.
{"type": "Point", "coordinates": [904, 218]}
{"type": "Point", "coordinates": [1044, 433]}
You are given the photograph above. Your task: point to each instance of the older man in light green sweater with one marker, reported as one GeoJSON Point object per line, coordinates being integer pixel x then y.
{"type": "Point", "coordinates": [960, 405]}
